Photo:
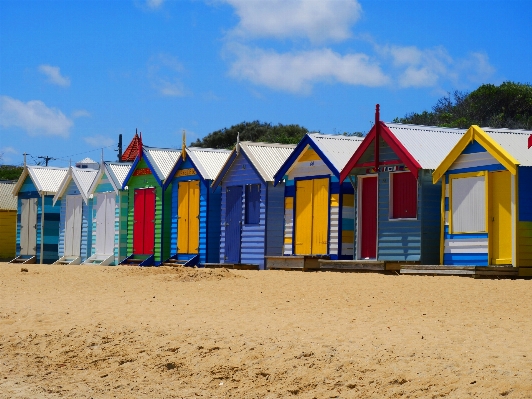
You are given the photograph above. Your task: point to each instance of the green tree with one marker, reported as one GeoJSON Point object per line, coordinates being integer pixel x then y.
{"type": "Point", "coordinates": [252, 131]}
{"type": "Point", "coordinates": [506, 106]}
{"type": "Point", "coordinates": [9, 172]}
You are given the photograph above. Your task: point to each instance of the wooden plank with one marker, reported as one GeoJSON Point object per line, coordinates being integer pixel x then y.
{"type": "Point", "coordinates": [436, 267]}
{"type": "Point", "coordinates": [436, 272]}
{"type": "Point", "coordinates": [285, 262]}
{"type": "Point", "coordinates": [351, 265]}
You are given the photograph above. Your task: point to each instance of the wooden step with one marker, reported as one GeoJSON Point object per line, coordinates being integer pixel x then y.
{"type": "Point", "coordinates": [352, 265]}
{"type": "Point", "coordinates": [24, 259]}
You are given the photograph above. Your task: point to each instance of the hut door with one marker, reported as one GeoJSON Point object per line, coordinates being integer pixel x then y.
{"type": "Point", "coordinates": [368, 218]}
{"type": "Point", "coordinates": [105, 223]}
{"type": "Point", "coordinates": [28, 227]}
{"type": "Point", "coordinates": [233, 223]}
{"type": "Point", "coordinates": [501, 217]}
{"type": "Point", "coordinates": [73, 225]}
{"type": "Point", "coordinates": [188, 205]}
{"type": "Point", "coordinates": [312, 217]}
{"type": "Point", "coordinates": [144, 221]}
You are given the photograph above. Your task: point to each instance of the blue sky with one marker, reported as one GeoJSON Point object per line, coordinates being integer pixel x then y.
{"type": "Point", "coordinates": [76, 74]}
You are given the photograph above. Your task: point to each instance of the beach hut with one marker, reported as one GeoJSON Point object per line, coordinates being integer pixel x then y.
{"type": "Point", "coordinates": [109, 216]}
{"type": "Point", "coordinates": [252, 207]}
{"type": "Point", "coordinates": [37, 218]}
{"type": "Point", "coordinates": [8, 220]}
{"type": "Point", "coordinates": [194, 221]}
{"type": "Point", "coordinates": [75, 220]}
{"type": "Point", "coordinates": [318, 208]}
{"type": "Point", "coordinates": [397, 206]}
{"type": "Point", "coordinates": [485, 200]}
{"type": "Point", "coordinates": [147, 243]}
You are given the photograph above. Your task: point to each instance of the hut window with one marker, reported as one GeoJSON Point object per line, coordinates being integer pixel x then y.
{"type": "Point", "coordinates": [468, 204]}
{"type": "Point", "coordinates": [403, 195]}
{"type": "Point", "coordinates": [252, 204]}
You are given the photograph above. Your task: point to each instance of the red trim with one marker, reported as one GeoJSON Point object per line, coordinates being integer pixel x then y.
{"type": "Point", "coordinates": [530, 141]}
{"type": "Point", "coordinates": [392, 141]}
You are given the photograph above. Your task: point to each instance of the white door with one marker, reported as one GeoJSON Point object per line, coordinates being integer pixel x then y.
{"type": "Point", "coordinates": [28, 227]}
{"type": "Point", "coordinates": [105, 223]}
{"type": "Point", "coordinates": [73, 225]}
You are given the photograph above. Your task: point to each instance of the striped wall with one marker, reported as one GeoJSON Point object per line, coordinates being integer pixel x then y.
{"type": "Point", "coordinates": [8, 234]}
{"type": "Point", "coordinates": [524, 224]}
{"type": "Point", "coordinates": [121, 215]}
{"type": "Point", "coordinates": [274, 219]}
{"type": "Point", "coordinates": [310, 165]}
{"type": "Point", "coordinates": [86, 223]}
{"type": "Point", "coordinates": [51, 222]}
{"type": "Point", "coordinates": [475, 158]}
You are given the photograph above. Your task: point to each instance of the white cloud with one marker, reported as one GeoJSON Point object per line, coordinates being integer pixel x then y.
{"type": "Point", "coordinates": [99, 141]}
{"type": "Point", "coordinates": [164, 73]}
{"type": "Point", "coordinates": [154, 3]}
{"type": "Point", "coordinates": [34, 117]}
{"type": "Point", "coordinates": [431, 67]}
{"type": "Point", "coordinates": [318, 20]}
{"type": "Point", "coordinates": [297, 72]}
{"type": "Point", "coordinates": [81, 113]}
{"type": "Point", "coordinates": [4, 155]}
{"type": "Point", "coordinates": [54, 75]}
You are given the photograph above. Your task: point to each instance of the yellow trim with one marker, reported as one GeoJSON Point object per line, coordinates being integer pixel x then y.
{"type": "Point", "coordinates": [335, 200]}
{"type": "Point", "coordinates": [309, 155]}
{"type": "Point", "coordinates": [288, 240]}
{"type": "Point", "coordinates": [486, 193]}
{"type": "Point", "coordinates": [289, 202]}
{"type": "Point", "coordinates": [442, 239]}
{"type": "Point", "coordinates": [489, 216]}
{"type": "Point", "coordinates": [475, 133]}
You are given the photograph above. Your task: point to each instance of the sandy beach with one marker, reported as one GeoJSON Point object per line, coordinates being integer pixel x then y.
{"type": "Point", "coordinates": [129, 332]}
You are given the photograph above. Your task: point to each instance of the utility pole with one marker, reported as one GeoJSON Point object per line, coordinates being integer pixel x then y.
{"type": "Point", "coordinates": [47, 159]}
{"type": "Point", "coordinates": [119, 148]}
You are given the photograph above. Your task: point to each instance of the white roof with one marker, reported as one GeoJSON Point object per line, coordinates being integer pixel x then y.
{"type": "Point", "coordinates": [118, 171]}
{"type": "Point", "coordinates": [162, 159]}
{"type": "Point", "coordinates": [208, 161]}
{"type": "Point", "coordinates": [47, 179]}
{"type": "Point", "coordinates": [337, 148]}
{"type": "Point", "coordinates": [8, 201]}
{"type": "Point", "coordinates": [428, 145]}
{"type": "Point", "coordinates": [267, 157]}
{"type": "Point", "coordinates": [515, 142]}
{"type": "Point", "coordinates": [84, 178]}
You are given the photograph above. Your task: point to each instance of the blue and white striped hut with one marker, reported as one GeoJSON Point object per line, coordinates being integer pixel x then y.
{"type": "Point", "coordinates": [37, 218]}
{"type": "Point", "coordinates": [193, 223]}
{"type": "Point", "coordinates": [75, 222]}
{"type": "Point", "coordinates": [252, 218]}
{"type": "Point", "coordinates": [109, 214]}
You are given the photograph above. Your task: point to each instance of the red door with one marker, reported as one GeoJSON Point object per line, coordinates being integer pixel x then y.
{"type": "Point", "coordinates": [368, 218]}
{"type": "Point", "coordinates": [144, 221]}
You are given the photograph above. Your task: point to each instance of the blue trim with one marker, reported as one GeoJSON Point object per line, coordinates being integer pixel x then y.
{"type": "Point", "coordinates": [458, 236]}
{"type": "Point", "coordinates": [307, 140]}
{"type": "Point", "coordinates": [178, 164]}
{"type": "Point", "coordinates": [290, 191]}
{"type": "Point", "coordinates": [224, 170]}
{"type": "Point", "coordinates": [488, 168]}
{"type": "Point", "coordinates": [473, 148]}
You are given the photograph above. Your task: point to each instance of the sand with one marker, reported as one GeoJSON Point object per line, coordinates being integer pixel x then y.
{"type": "Point", "coordinates": [128, 332]}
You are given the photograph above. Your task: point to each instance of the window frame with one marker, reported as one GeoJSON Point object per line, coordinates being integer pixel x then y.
{"type": "Point", "coordinates": [391, 197]}
{"type": "Point", "coordinates": [457, 176]}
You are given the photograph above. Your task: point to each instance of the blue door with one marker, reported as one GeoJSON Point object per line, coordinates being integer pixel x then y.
{"type": "Point", "coordinates": [233, 223]}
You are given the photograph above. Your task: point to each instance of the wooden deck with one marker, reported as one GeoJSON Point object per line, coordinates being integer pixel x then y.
{"type": "Point", "coordinates": [297, 262]}
{"type": "Point", "coordinates": [235, 266]}
{"type": "Point", "coordinates": [352, 265]}
{"type": "Point", "coordinates": [470, 271]}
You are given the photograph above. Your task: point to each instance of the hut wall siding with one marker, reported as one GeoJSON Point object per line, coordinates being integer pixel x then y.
{"type": "Point", "coordinates": [51, 229]}
{"type": "Point", "coordinates": [386, 153]}
{"type": "Point", "coordinates": [524, 224]}
{"type": "Point", "coordinates": [8, 233]}
{"type": "Point", "coordinates": [213, 223]}
{"type": "Point", "coordinates": [397, 240]}
{"type": "Point", "coordinates": [430, 214]}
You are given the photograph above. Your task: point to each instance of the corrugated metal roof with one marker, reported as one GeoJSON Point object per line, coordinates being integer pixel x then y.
{"type": "Point", "coordinates": [118, 171]}
{"type": "Point", "coordinates": [428, 145]}
{"type": "Point", "coordinates": [208, 161]}
{"type": "Point", "coordinates": [515, 142]}
{"type": "Point", "coordinates": [84, 179]}
{"type": "Point", "coordinates": [162, 159]}
{"type": "Point", "coordinates": [267, 157]}
{"type": "Point", "coordinates": [8, 201]}
{"type": "Point", "coordinates": [47, 178]}
{"type": "Point", "coordinates": [337, 148]}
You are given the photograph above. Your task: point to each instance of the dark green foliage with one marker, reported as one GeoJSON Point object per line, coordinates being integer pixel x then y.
{"type": "Point", "coordinates": [8, 172]}
{"type": "Point", "coordinates": [252, 131]}
{"type": "Point", "coordinates": [506, 106]}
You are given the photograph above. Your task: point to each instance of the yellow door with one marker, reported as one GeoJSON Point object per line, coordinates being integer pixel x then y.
{"type": "Point", "coordinates": [501, 217]}
{"type": "Point", "coordinates": [303, 239]}
{"type": "Point", "coordinates": [320, 216]}
{"type": "Point", "coordinates": [188, 217]}
{"type": "Point", "coordinates": [312, 217]}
